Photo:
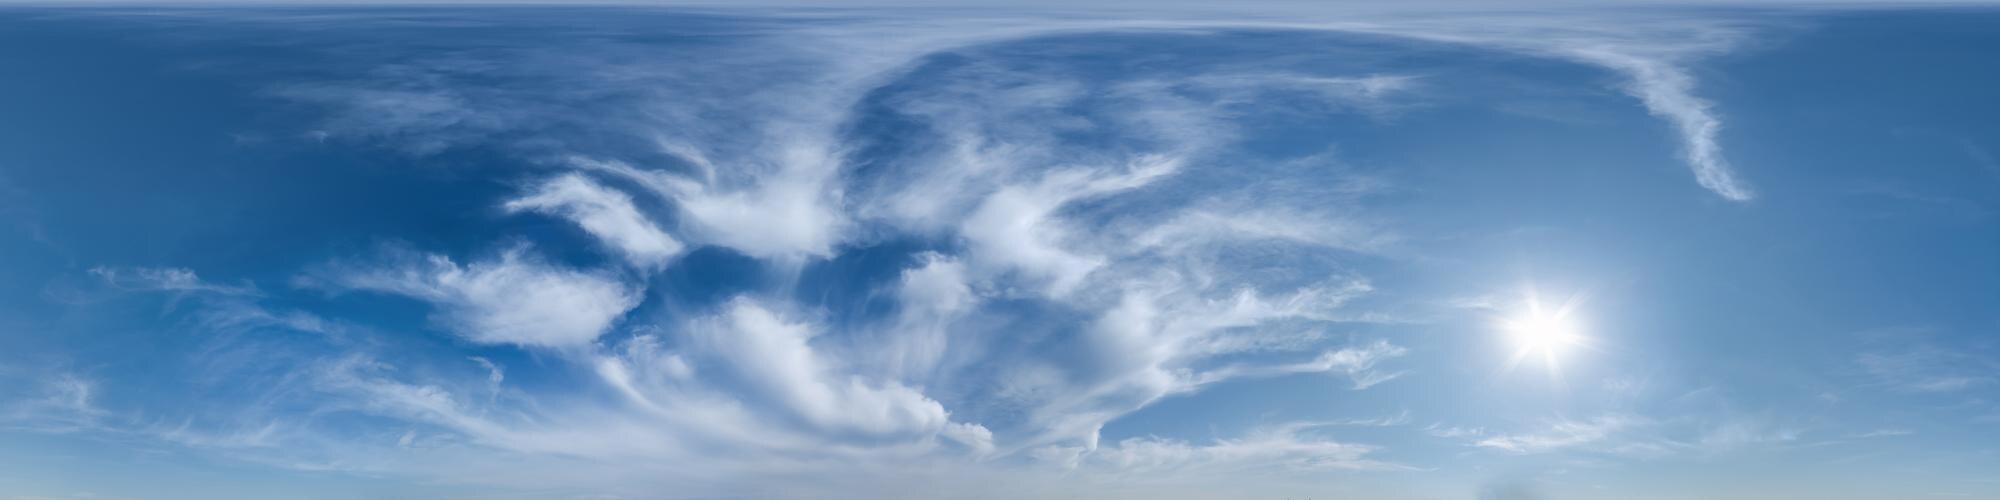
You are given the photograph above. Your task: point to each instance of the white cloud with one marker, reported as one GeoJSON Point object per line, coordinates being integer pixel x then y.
{"type": "Point", "coordinates": [1153, 344]}
{"type": "Point", "coordinates": [1015, 228]}
{"type": "Point", "coordinates": [775, 358]}
{"type": "Point", "coordinates": [605, 213]}
{"type": "Point", "coordinates": [973, 436]}
{"type": "Point", "coordinates": [1454, 432]}
{"type": "Point", "coordinates": [494, 374]}
{"type": "Point", "coordinates": [1563, 433]}
{"type": "Point", "coordinates": [421, 120]}
{"type": "Point", "coordinates": [932, 296]}
{"type": "Point", "coordinates": [512, 300]}
{"type": "Point", "coordinates": [788, 213]}
{"type": "Point", "coordinates": [1206, 227]}
{"type": "Point", "coordinates": [1357, 363]}
{"type": "Point", "coordinates": [62, 403]}
{"type": "Point", "coordinates": [1399, 419]}
{"type": "Point", "coordinates": [238, 316]}
{"type": "Point", "coordinates": [1882, 433]}
{"type": "Point", "coordinates": [1277, 449]}
{"type": "Point", "coordinates": [1651, 50]}
{"type": "Point", "coordinates": [1738, 432]}
{"type": "Point", "coordinates": [168, 279]}
{"type": "Point", "coordinates": [367, 386]}
{"type": "Point", "coordinates": [1668, 92]}
{"type": "Point", "coordinates": [1906, 360]}
{"type": "Point", "coordinates": [1368, 93]}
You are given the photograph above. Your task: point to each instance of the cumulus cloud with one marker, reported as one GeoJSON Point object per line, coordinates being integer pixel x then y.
{"type": "Point", "coordinates": [605, 213]}
{"type": "Point", "coordinates": [514, 299]}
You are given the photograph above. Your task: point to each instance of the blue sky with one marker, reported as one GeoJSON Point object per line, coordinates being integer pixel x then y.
{"type": "Point", "coordinates": [1283, 251]}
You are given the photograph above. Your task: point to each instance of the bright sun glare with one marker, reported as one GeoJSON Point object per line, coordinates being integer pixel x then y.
{"type": "Point", "coordinates": [1542, 332]}
{"type": "Point", "coordinates": [1538, 330]}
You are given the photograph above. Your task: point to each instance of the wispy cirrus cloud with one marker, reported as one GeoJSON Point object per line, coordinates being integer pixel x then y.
{"type": "Point", "coordinates": [1886, 433]}
{"type": "Point", "coordinates": [1267, 451]}
{"type": "Point", "coordinates": [772, 356]}
{"type": "Point", "coordinates": [606, 214]}
{"type": "Point", "coordinates": [167, 279]}
{"type": "Point", "coordinates": [512, 299]}
{"type": "Point", "coordinates": [1356, 362]}
{"type": "Point", "coordinates": [1698, 431]}
{"type": "Point", "coordinates": [1667, 90]}
{"type": "Point", "coordinates": [1909, 360]}
{"type": "Point", "coordinates": [60, 403]}
{"type": "Point", "coordinates": [1564, 433]}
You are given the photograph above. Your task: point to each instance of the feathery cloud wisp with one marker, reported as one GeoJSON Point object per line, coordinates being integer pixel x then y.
{"type": "Point", "coordinates": [514, 299]}
{"type": "Point", "coordinates": [605, 213]}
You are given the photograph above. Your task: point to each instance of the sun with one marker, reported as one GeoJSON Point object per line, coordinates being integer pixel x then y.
{"type": "Point", "coordinates": [1538, 331]}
